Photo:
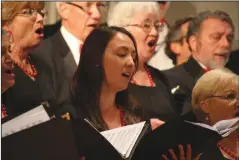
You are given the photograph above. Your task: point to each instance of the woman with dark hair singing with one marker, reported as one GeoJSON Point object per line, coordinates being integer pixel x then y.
{"type": "Point", "coordinates": [109, 59]}
{"type": "Point", "coordinates": [99, 90]}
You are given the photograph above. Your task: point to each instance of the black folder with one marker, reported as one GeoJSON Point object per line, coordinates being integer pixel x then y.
{"type": "Point", "coordinates": [170, 135]}
{"type": "Point", "coordinates": [152, 145]}
{"type": "Point", "coordinates": [52, 140]}
{"type": "Point", "coordinates": [92, 145]}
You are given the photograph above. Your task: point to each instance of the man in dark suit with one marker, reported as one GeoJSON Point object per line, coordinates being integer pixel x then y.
{"type": "Point", "coordinates": [62, 50]}
{"type": "Point", "coordinates": [210, 38]}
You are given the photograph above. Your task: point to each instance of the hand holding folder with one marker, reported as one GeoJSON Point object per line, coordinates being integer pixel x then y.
{"type": "Point", "coordinates": [178, 131]}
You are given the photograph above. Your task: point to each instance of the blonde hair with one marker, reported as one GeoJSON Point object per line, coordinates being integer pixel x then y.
{"type": "Point", "coordinates": [211, 83]}
{"type": "Point", "coordinates": [11, 9]}
{"type": "Point", "coordinates": [122, 13]}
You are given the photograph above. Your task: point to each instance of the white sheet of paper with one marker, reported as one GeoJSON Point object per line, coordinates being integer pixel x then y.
{"type": "Point", "coordinates": [124, 138]}
{"type": "Point", "coordinates": [221, 127]}
{"type": "Point", "coordinates": [26, 120]}
{"type": "Point", "coordinates": [225, 125]}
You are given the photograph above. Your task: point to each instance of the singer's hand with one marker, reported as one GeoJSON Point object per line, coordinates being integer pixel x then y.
{"type": "Point", "coordinates": [182, 154]}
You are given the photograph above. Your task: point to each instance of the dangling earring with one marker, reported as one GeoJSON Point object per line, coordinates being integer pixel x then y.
{"type": "Point", "coordinates": [208, 118]}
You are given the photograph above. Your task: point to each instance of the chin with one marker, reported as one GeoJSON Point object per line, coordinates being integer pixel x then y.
{"type": "Point", "coordinates": [35, 44]}
{"type": "Point", "coordinates": [7, 85]}
{"type": "Point", "coordinates": [121, 88]}
{"type": "Point", "coordinates": [217, 65]}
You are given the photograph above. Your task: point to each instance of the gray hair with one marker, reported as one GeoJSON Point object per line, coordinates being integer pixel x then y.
{"type": "Point", "coordinates": [209, 84]}
{"type": "Point", "coordinates": [195, 25]}
{"type": "Point", "coordinates": [123, 12]}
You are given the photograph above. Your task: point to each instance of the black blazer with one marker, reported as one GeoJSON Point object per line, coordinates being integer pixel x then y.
{"type": "Point", "coordinates": [185, 77]}
{"type": "Point", "coordinates": [233, 63]}
{"type": "Point", "coordinates": [55, 53]}
{"type": "Point", "coordinates": [27, 94]}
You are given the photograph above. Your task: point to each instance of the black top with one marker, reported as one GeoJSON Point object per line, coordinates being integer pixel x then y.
{"type": "Point", "coordinates": [26, 94]}
{"type": "Point", "coordinates": [157, 102]}
{"type": "Point", "coordinates": [184, 77]}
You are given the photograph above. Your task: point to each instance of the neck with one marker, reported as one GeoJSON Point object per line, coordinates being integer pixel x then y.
{"type": "Point", "coordinates": [107, 101]}
{"type": "Point", "coordinates": [141, 67]}
{"type": "Point", "coordinates": [141, 73]}
{"type": "Point", "coordinates": [180, 61]}
{"type": "Point", "coordinates": [141, 76]}
{"type": "Point", "coordinates": [19, 54]}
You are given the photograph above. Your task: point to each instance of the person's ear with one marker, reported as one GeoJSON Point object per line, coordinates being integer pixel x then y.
{"type": "Point", "coordinates": [204, 106]}
{"type": "Point", "coordinates": [175, 48]}
{"type": "Point", "coordinates": [63, 10]}
{"type": "Point", "coordinates": [193, 43]}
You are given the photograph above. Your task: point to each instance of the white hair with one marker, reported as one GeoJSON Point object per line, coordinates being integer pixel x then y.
{"type": "Point", "coordinates": [122, 13]}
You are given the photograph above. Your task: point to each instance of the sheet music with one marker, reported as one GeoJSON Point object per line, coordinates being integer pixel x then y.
{"type": "Point", "coordinates": [124, 138]}
{"type": "Point", "coordinates": [225, 125]}
{"type": "Point", "coordinates": [26, 120]}
{"type": "Point", "coordinates": [221, 127]}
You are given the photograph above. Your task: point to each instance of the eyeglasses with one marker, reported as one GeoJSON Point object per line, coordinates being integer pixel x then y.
{"type": "Point", "coordinates": [32, 13]}
{"type": "Point", "coordinates": [230, 96]}
{"type": "Point", "coordinates": [86, 9]}
{"type": "Point", "coordinates": [147, 26]}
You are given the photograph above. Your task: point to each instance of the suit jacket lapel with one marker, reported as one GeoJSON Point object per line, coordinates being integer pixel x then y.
{"type": "Point", "coordinates": [194, 69]}
{"type": "Point", "coordinates": [62, 48]}
{"type": "Point", "coordinates": [70, 65]}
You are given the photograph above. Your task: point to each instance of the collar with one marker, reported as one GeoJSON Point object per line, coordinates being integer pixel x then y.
{"type": "Point", "coordinates": [72, 42]}
{"type": "Point", "coordinates": [193, 68]}
{"type": "Point", "coordinates": [202, 65]}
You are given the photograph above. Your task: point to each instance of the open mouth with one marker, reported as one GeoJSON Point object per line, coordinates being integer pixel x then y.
{"type": "Point", "coordinates": [9, 72]}
{"type": "Point", "coordinates": [93, 25]}
{"type": "Point", "coordinates": [221, 55]}
{"type": "Point", "coordinates": [39, 31]}
{"type": "Point", "coordinates": [152, 43]}
{"type": "Point", "coordinates": [127, 75]}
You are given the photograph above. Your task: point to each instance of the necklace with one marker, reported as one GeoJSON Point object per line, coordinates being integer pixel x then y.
{"type": "Point", "coordinates": [152, 84]}
{"type": "Point", "coordinates": [228, 151]}
{"type": "Point", "coordinates": [34, 71]}
{"type": "Point", "coordinates": [122, 114]}
{"type": "Point", "coordinates": [4, 112]}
